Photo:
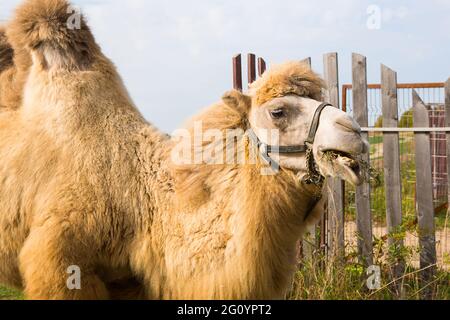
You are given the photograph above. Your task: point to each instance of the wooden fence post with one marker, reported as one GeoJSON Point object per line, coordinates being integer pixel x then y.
{"type": "Point", "coordinates": [392, 175]}
{"type": "Point", "coordinates": [237, 72]}
{"type": "Point", "coordinates": [251, 65]}
{"type": "Point", "coordinates": [447, 122]}
{"type": "Point", "coordinates": [336, 237]}
{"type": "Point", "coordinates": [261, 66]}
{"type": "Point", "coordinates": [307, 61]}
{"type": "Point", "coordinates": [425, 206]}
{"type": "Point", "coordinates": [321, 243]}
{"type": "Point", "coordinates": [363, 211]}
{"type": "Point", "coordinates": [309, 240]}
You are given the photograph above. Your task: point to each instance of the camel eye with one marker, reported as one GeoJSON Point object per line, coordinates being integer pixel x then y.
{"type": "Point", "coordinates": [277, 114]}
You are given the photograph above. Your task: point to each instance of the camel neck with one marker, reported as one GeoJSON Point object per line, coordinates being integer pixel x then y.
{"type": "Point", "coordinates": [274, 212]}
{"type": "Point", "coordinates": [227, 223]}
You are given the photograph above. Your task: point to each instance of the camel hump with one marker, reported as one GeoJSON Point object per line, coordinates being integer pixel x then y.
{"type": "Point", "coordinates": [54, 32]}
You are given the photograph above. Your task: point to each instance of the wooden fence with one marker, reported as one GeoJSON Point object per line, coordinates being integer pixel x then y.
{"type": "Point", "coordinates": [332, 229]}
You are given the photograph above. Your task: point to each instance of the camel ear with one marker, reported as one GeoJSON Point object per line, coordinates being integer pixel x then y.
{"type": "Point", "coordinates": [238, 101]}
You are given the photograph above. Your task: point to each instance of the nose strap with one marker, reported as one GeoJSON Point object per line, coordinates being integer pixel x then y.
{"type": "Point", "coordinates": [309, 142]}
{"type": "Point", "coordinates": [265, 148]}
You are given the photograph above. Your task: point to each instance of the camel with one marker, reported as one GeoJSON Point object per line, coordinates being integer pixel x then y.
{"type": "Point", "coordinates": [87, 182]}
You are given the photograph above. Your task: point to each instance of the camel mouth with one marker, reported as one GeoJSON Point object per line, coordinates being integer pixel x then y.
{"type": "Point", "coordinates": [345, 166]}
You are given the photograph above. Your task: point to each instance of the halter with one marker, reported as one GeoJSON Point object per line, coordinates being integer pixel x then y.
{"type": "Point", "coordinates": [314, 176]}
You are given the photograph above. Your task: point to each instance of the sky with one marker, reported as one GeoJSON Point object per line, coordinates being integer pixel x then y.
{"type": "Point", "coordinates": [175, 56]}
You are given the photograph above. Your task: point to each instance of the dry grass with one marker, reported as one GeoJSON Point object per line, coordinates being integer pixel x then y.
{"type": "Point", "coordinates": [347, 280]}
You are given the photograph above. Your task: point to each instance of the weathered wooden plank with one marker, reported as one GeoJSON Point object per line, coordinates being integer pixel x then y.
{"type": "Point", "coordinates": [447, 124]}
{"type": "Point", "coordinates": [309, 240]}
{"type": "Point", "coordinates": [336, 239]}
{"type": "Point", "coordinates": [331, 75]}
{"type": "Point", "coordinates": [323, 239]}
{"type": "Point", "coordinates": [323, 225]}
{"type": "Point", "coordinates": [251, 65]}
{"type": "Point", "coordinates": [416, 85]}
{"type": "Point", "coordinates": [363, 212]}
{"type": "Point", "coordinates": [237, 72]}
{"type": "Point", "coordinates": [391, 157]}
{"type": "Point", "coordinates": [262, 66]}
{"type": "Point", "coordinates": [307, 61]}
{"type": "Point", "coordinates": [308, 244]}
{"type": "Point", "coordinates": [411, 130]}
{"type": "Point", "coordinates": [425, 207]}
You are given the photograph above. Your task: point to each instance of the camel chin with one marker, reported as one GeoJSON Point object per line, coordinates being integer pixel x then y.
{"type": "Point", "coordinates": [342, 165]}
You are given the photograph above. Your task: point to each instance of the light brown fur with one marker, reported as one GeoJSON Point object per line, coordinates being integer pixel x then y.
{"type": "Point", "coordinates": [9, 92]}
{"type": "Point", "coordinates": [285, 79]}
{"type": "Point", "coordinates": [86, 181]}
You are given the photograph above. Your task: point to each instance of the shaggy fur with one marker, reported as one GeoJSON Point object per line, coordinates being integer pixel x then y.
{"type": "Point", "coordinates": [41, 26]}
{"type": "Point", "coordinates": [9, 95]}
{"type": "Point", "coordinates": [85, 181]}
{"type": "Point", "coordinates": [288, 78]}
{"type": "Point", "coordinates": [6, 51]}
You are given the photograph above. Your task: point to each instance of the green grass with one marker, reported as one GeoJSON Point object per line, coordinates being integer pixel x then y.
{"type": "Point", "coordinates": [408, 177]}
{"type": "Point", "coordinates": [10, 294]}
{"type": "Point", "coordinates": [320, 279]}
{"type": "Point", "coordinates": [376, 139]}
{"type": "Point", "coordinates": [378, 199]}
{"type": "Point", "coordinates": [442, 221]}
{"type": "Point", "coordinates": [348, 282]}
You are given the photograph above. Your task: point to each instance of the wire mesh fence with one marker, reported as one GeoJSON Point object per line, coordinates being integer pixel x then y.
{"type": "Point", "coordinates": [433, 95]}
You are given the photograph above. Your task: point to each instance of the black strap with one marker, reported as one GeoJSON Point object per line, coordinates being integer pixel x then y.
{"type": "Point", "coordinates": [315, 124]}
{"type": "Point", "coordinates": [265, 148]}
{"type": "Point", "coordinates": [284, 149]}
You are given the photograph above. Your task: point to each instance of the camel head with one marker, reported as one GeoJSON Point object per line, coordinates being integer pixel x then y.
{"type": "Point", "coordinates": [285, 104]}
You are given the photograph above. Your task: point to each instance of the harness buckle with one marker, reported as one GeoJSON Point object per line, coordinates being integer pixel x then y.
{"type": "Point", "coordinates": [264, 149]}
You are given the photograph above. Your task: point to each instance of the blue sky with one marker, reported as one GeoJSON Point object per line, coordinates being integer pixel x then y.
{"type": "Point", "coordinates": [175, 56]}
